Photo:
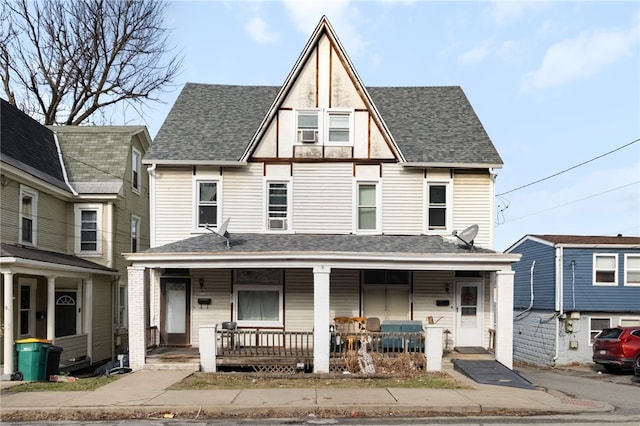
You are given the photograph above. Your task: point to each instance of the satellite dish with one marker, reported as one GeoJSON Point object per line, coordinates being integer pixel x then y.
{"type": "Point", "coordinates": [467, 235]}
{"type": "Point", "coordinates": [222, 231]}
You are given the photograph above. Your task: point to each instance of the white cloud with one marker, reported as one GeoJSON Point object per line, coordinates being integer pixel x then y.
{"type": "Point", "coordinates": [582, 56]}
{"type": "Point", "coordinates": [476, 54]}
{"type": "Point", "coordinates": [506, 12]}
{"type": "Point", "coordinates": [306, 14]}
{"type": "Point", "coordinates": [259, 32]}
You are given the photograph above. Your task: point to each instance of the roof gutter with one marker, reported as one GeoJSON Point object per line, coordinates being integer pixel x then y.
{"type": "Point", "coordinates": [225, 163]}
{"type": "Point", "coordinates": [436, 164]}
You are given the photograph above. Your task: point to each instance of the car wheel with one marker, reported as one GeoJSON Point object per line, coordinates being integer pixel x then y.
{"type": "Point", "coordinates": [636, 364]}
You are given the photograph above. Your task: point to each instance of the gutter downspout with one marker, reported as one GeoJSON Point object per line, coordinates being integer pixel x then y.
{"type": "Point", "coordinates": [152, 202]}
{"type": "Point", "coordinates": [559, 301]}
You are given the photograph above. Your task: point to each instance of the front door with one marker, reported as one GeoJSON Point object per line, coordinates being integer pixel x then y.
{"type": "Point", "coordinates": [175, 309]}
{"type": "Point", "coordinates": [469, 313]}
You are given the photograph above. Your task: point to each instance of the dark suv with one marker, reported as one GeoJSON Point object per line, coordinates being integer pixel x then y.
{"type": "Point", "coordinates": [617, 349]}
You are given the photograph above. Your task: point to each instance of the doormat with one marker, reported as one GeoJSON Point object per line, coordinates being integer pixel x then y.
{"type": "Point", "coordinates": [471, 350]}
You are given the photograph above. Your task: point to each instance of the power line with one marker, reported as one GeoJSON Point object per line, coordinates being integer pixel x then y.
{"type": "Point", "coordinates": [570, 168]}
{"type": "Point", "coordinates": [575, 201]}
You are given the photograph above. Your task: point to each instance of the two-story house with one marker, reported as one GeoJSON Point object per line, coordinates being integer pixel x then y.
{"type": "Point", "coordinates": [73, 199]}
{"type": "Point", "coordinates": [333, 200]}
{"type": "Point", "coordinates": [567, 289]}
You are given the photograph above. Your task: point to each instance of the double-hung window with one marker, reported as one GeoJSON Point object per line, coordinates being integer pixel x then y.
{"type": "Point", "coordinates": [28, 215]}
{"type": "Point", "coordinates": [136, 166]}
{"type": "Point", "coordinates": [438, 206]}
{"type": "Point", "coordinates": [135, 233]}
{"type": "Point", "coordinates": [88, 228]}
{"type": "Point", "coordinates": [338, 128]}
{"type": "Point", "coordinates": [308, 125]}
{"type": "Point", "coordinates": [206, 203]}
{"type": "Point", "coordinates": [277, 206]}
{"type": "Point", "coordinates": [605, 270]}
{"type": "Point", "coordinates": [632, 269]}
{"type": "Point", "coordinates": [367, 206]}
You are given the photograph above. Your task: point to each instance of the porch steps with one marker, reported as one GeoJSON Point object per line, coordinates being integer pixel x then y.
{"type": "Point", "coordinates": [174, 366]}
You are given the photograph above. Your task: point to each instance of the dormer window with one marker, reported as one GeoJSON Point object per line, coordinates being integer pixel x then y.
{"type": "Point", "coordinates": [324, 127]}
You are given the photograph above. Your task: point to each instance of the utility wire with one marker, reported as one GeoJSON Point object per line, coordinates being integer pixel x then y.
{"type": "Point", "coordinates": [570, 168]}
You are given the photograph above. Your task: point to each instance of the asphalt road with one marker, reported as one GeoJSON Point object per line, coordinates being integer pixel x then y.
{"type": "Point", "coordinates": [620, 390]}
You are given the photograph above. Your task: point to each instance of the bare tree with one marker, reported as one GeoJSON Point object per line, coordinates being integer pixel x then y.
{"type": "Point", "coordinates": [65, 61]}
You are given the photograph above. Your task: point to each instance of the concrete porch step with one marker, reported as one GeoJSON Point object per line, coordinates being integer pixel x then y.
{"type": "Point", "coordinates": [173, 366]}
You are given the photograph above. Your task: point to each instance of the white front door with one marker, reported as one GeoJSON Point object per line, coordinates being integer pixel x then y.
{"type": "Point", "coordinates": [469, 313]}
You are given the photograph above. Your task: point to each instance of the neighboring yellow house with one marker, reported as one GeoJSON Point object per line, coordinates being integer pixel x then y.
{"type": "Point", "coordinates": [73, 199]}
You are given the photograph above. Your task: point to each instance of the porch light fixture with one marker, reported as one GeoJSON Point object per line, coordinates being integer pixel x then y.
{"type": "Point", "coordinates": [446, 288]}
{"type": "Point", "coordinates": [201, 282]}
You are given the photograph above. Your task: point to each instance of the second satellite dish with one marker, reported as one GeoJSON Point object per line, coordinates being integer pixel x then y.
{"type": "Point", "coordinates": [467, 235]}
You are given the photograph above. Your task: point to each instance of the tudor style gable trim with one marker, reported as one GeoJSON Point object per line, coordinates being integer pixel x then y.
{"type": "Point", "coordinates": [325, 107]}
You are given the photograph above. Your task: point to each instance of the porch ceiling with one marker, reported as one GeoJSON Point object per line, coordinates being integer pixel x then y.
{"type": "Point", "coordinates": [305, 250]}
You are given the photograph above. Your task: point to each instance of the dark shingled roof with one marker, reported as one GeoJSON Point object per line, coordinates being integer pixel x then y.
{"type": "Point", "coordinates": [29, 146]}
{"type": "Point", "coordinates": [313, 243]}
{"type": "Point", "coordinates": [588, 239]}
{"type": "Point", "coordinates": [216, 122]}
{"type": "Point", "coordinates": [28, 253]}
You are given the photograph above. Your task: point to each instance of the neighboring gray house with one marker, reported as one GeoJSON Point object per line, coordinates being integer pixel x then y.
{"type": "Point", "coordinates": [340, 201]}
{"type": "Point", "coordinates": [71, 204]}
{"type": "Point", "coordinates": [567, 289]}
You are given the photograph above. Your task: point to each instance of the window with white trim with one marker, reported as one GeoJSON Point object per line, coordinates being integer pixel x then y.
{"type": "Point", "coordinates": [28, 215]}
{"type": "Point", "coordinates": [308, 126]}
{"type": "Point", "coordinates": [438, 206]}
{"type": "Point", "coordinates": [605, 269]}
{"type": "Point", "coordinates": [277, 205]}
{"type": "Point", "coordinates": [629, 321]}
{"type": "Point", "coordinates": [88, 228]}
{"type": "Point", "coordinates": [367, 206]}
{"type": "Point", "coordinates": [207, 203]}
{"type": "Point", "coordinates": [339, 127]}
{"type": "Point", "coordinates": [596, 325]}
{"type": "Point", "coordinates": [258, 298]}
{"type": "Point", "coordinates": [136, 166]}
{"type": "Point", "coordinates": [632, 269]}
{"type": "Point", "coordinates": [135, 233]}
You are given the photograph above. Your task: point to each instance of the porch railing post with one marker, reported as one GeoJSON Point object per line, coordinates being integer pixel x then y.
{"type": "Point", "coordinates": [433, 349]}
{"type": "Point", "coordinates": [321, 334]}
{"type": "Point", "coordinates": [208, 344]}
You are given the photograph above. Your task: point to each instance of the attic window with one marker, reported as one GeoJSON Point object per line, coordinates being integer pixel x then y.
{"type": "Point", "coordinates": [339, 127]}
{"type": "Point", "coordinates": [308, 126]}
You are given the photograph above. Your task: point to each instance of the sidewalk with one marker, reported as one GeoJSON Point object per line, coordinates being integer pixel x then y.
{"type": "Point", "coordinates": [142, 394]}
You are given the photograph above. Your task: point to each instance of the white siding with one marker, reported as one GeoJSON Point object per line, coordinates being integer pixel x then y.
{"type": "Point", "coordinates": [298, 300]}
{"type": "Point", "coordinates": [344, 298]}
{"type": "Point", "coordinates": [217, 287]}
{"type": "Point", "coordinates": [322, 197]}
{"type": "Point", "coordinates": [173, 205]}
{"type": "Point", "coordinates": [402, 200]}
{"type": "Point", "coordinates": [472, 204]}
{"type": "Point", "coordinates": [428, 286]}
{"type": "Point", "coordinates": [243, 198]}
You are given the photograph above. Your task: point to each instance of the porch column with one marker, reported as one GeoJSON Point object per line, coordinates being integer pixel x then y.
{"type": "Point", "coordinates": [321, 334]}
{"type": "Point", "coordinates": [51, 308]}
{"type": "Point", "coordinates": [9, 349]}
{"type": "Point", "coordinates": [137, 332]}
{"type": "Point", "coordinates": [504, 317]}
{"type": "Point", "coordinates": [87, 304]}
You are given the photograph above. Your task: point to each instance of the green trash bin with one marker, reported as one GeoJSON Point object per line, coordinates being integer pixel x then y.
{"type": "Point", "coordinates": [32, 358]}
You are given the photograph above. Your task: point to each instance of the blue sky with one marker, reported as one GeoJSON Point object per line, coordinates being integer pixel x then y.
{"type": "Point", "coordinates": [556, 84]}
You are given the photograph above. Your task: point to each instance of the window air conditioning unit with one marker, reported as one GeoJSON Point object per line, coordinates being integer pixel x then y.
{"type": "Point", "coordinates": [308, 136]}
{"type": "Point", "coordinates": [278, 224]}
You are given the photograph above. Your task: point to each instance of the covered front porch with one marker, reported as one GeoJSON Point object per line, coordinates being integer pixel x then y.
{"type": "Point", "coordinates": [271, 294]}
